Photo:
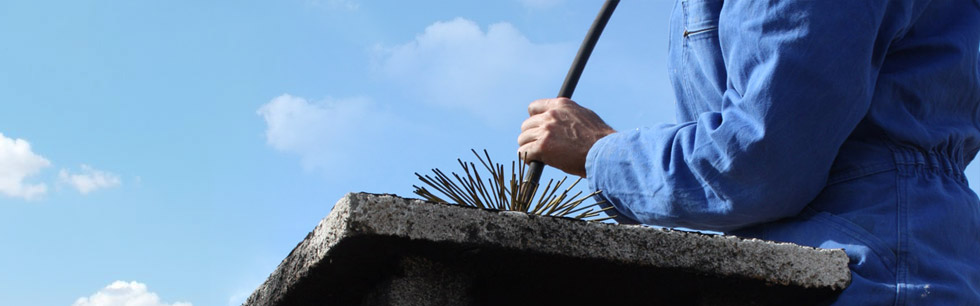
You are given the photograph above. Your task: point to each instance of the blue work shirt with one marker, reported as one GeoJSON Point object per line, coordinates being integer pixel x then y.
{"type": "Point", "coordinates": [836, 124]}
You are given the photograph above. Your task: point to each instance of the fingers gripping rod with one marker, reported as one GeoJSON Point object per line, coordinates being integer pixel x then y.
{"type": "Point", "coordinates": [568, 87]}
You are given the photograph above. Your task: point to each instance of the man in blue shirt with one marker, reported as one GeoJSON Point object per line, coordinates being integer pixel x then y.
{"type": "Point", "coordinates": [836, 124]}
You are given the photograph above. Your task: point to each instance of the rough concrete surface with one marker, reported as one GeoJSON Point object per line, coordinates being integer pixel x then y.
{"type": "Point", "coordinates": [386, 250]}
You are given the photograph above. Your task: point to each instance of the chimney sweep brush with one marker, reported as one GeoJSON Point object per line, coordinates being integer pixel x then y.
{"type": "Point", "coordinates": [518, 193]}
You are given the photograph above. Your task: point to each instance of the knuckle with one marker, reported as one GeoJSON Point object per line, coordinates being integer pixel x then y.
{"type": "Point", "coordinates": [545, 140]}
{"type": "Point", "coordinates": [545, 127]}
{"type": "Point", "coordinates": [524, 139]}
{"type": "Point", "coordinates": [552, 113]}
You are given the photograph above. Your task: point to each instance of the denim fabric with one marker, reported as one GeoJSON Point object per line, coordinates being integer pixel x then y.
{"type": "Point", "coordinates": [838, 124]}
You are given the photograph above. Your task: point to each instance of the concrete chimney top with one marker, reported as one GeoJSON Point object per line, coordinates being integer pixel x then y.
{"type": "Point", "coordinates": [386, 250]}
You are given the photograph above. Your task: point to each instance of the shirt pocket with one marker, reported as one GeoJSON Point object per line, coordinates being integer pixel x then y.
{"type": "Point", "coordinates": [701, 18]}
{"type": "Point", "coordinates": [705, 77]}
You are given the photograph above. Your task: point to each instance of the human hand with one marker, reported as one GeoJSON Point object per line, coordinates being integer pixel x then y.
{"type": "Point", "coordinates": [560, 133]}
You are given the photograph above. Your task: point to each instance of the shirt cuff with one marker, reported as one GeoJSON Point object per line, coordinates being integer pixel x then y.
{"type": "Point", "coordinates": [592, 166]}
{"type": "Point", "coordinates": [591, 158]}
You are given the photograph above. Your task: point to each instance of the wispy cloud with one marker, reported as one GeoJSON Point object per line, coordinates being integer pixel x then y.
{"type": "Point", "coordinates": [89, 179]}
{"type": "Point", "coordinates": [456, 64]}
{"type": "Point", "coordinates": [121, 293]}
{"type": "Point", "coordinates": [328, 134]}
{"type": "Point", "coordinates": [238, 298]}
{"type": "Point", "coordinates": [17, 163]}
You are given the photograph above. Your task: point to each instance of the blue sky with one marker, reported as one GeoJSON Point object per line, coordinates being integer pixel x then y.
{"type": "Point", "coordinates": [176, 151]}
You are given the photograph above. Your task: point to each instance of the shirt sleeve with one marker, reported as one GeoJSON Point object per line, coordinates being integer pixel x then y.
{"type": "Point", "coordinates": [800, 77]}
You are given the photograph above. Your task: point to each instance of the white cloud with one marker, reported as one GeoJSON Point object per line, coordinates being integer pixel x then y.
{"type": "Point", "coordinates": [18, 162]}
{"type": "Point", "coordinates": [456, 64]}
{"type": "Point", "coordinates": [89, 179]}
{"type": "Point", "coordinates": [540, 4]}
{"type": "Point", "coordinates": [239, 298]}
{"type": "Point", "coordinates": [121, 293]}
{"type": "Point", "coordinates": [328, 134]}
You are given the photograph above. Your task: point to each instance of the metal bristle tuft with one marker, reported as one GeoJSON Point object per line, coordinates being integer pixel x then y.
{"type": "Point", "coordinates": [497, 191]}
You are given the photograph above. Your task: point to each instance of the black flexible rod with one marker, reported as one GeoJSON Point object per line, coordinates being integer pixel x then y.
{"type": "Point", "coordinates": [571, 80]}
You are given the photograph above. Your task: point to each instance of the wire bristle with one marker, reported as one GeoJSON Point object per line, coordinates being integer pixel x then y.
{"type": "Point", "coordinates": [498, 193]}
